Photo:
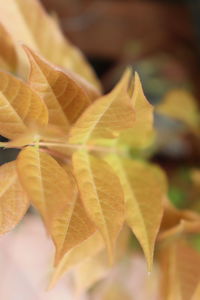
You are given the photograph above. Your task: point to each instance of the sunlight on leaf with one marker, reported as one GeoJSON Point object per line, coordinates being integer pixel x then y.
{"type": "Point", "coordinates": [142, 132]}
{"type": "Point", "coordinates": [107, 116]}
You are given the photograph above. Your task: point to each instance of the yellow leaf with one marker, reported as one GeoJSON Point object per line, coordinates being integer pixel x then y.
{"type": "Point", "coordinates": [27, 22]}
{"type": "Point", "coordinates": [8, 55]}
{"type": "Point", "coordinates": [144, 188]}
{"type": "Point", "coordinates": [176, 222]}
{"type": "Point", "coordinates": [142, 132]}
{"type": "Point", "coordinates": [75, 256]}
{"type": "Point", "coordinates": [107, 116]}
{"type": "Point", "coordinates": [90, 271]}
{"type": "Point", "coordinates": [65, 97]}
{"type": "Point", "coordinates": [195, 174]}
{"type": "Point", "coordinates": [102, 196]}
{"type": "Point", "coordinates": [20, 106]}
{"type": "Point", "coordinates": [53, 192]}
{"type": "Point", "coordinates": [196, 295]}
{"type": "Point", "coordinates": [180, 270]}
{"type": "Point", "coordinates": [181, 105]}
{"type": "Point", "coordinates": [13, 199]}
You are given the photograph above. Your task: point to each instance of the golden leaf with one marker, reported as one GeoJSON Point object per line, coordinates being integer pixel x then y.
{"type": "Point", "coordinates": [90, 271]}
{"type": "Point", "coordinates": [142, 132]}
{"type": "Point", "coordinates": [176, 222]}
{"type": "Point", "coordinates": [144, 188]}
{"type": "Point", "coordinates": [181, 105]}
{"type": "Point", "coordinates": [107, 116]}
{"type": "Point", "coordinates": [53, 192]}
{"type": "Point", "coordinates": [8, 55]}
{"type": "Point", "coordinates": [20, 106]}
{"type": "Point", "coordinates": [102, 196]}
{"type": "Point", "coordinates": [41, 32]}
{"type": "Point", "coordinates": [75, 256]}
{"type": "Point", "coordinates": [13, 199]}
{"type": "Point", "coordinates": [65, 97]}
{"type": "Point", "coordinates": [196, 295]}
{"type": "Point", "coordinates": [180, 270]}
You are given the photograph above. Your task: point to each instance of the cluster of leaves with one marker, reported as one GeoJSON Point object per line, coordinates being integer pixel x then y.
{"type": "Point", "coordinates": [77, 165]}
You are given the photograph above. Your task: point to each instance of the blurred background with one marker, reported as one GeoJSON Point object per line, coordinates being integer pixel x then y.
{"type": "Point", "coordinates": [161, 39]}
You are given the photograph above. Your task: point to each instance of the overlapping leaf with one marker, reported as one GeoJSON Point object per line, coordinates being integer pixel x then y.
{"type": "Point", "coordinates": [107, 116]}
{"type": "Point", "coordinates": [142, 132]}
{"type": "Point", "coordinates": [13, 199]}
{"type": "Point", "coordinates": [53, 193]}
{"type": "Point", "coordinates": [102, 195]}
{"type": "Point", "coordinates": [8, 55]}
{"type": "Point", "coordinates": [31, 25]}
{"type": "Point", "coordinates": [180, 270]}
{"type": "Point", "coordinates": [65, 97]}
{"type": "Point", "coordinates": [144, 188]}
{"type": "Point", "coordinates": [88, 248]}
{"type": "Point", "coordinates": [20, 106]}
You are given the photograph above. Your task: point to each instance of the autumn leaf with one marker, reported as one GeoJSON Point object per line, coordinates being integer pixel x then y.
{"type": "Point", "coordinates": [181, 105]}
{"type": "Point", "coordinates": [53, 193]}
{"type": "Point", "coordinates": [144, 187]}
{"type": "Point", "coordinates": [20, 107]}
{"type": "Point", "coordinates": [107, 116]}
{"type": "Point", "coordinates": [196, 294]}
{"type": "Point", "coordinates": [8, 55]}
{"type": "Point", "coordinates": [180, 270]}
{"type": "Point", "coordinates": [30, 18]}
{"type": "Point", "coordinates": [13, 199]}
{"type": "Point", "coordinates": [90, 271]}
{"type": "Point", "coordinates": [176, 222]}
{"type": "Point", "coordinates": [103, 203]}
{"type": "Point", "coordinates": [66, 97]}
{"type": "Point", "coordinates": [142, 132]}
{"type": "Point", "coordinates": [88, 248]}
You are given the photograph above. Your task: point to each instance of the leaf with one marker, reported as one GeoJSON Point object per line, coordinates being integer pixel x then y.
{"type": "Point", "coordinates": [75, 256]}
{"type": "Point", "coordinates": [144, 187]}
{"type": "Point", "coordinates": [52, 191]}
{"type": "Point", "coordinates": [107, 116]}
{"type": "Point", "coordinates": [90, 271]}
{"type": "Point", "coordinates": [180, 269]}
{"type": "Point", "coordinates": [181, 105]}
{"type": "Point", "coordinates": [101, 194]}
{"type": "Point", "coordinates": [176, 222]}
{"type": "Point", "coordinates": [13, 200]}
{"type": "Point", "coordinates": [65, 97]}
{"type": "Point", "coordinates": [8, 55]}
{"type": "Point", "coordinates": [41, 32]}
{"type": "Point", "coordinates": [142, 132]}
{"type": "Point", "coordinates": [20, 106]}
{"type": "Point", "coordinates": [195, 175]}
{"type": "Point", "coordinates": [196, 294]}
